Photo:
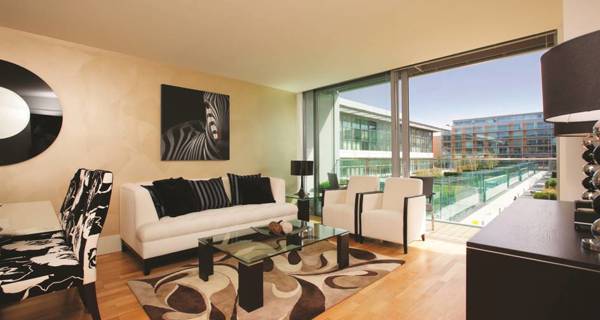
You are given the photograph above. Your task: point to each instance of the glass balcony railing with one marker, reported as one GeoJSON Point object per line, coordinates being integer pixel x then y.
{"type": "Point", "coordinates": [467, 191]}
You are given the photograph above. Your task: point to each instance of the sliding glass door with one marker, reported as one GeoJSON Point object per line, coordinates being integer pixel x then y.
{"type": "Point", "coordinates": [471, 122]}
{"type": "Point", "coordinates": [352, 126]}
{"type": "Point", "coordinates": [491, 142]}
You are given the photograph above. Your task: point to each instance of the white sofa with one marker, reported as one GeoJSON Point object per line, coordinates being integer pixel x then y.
{"type": "Point", "coordinates": [153, 239]}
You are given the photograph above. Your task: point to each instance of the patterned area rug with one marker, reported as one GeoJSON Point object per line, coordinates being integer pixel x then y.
{"type": "Point", "coordinates": [298, 285]}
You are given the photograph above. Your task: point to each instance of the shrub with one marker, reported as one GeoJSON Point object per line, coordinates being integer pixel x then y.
{"type": "Point", "coordinates": [326, 185]}
{"type": "Point", "coordinates": [432, 172]}
{"type": "Point", "coordinates": [549, 194]}
{"type": "Point", "coordinates": [550, 183]}
{"type": "Point", "coordinates": [451, 174]}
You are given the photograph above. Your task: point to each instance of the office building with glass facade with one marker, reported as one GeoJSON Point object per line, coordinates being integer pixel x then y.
{"type": "Point", "coordinates": [365, 141]}
{"type": "Point", "coordinates": [490, 155]}
{"type": "Point", "coordinates": [521, 136]}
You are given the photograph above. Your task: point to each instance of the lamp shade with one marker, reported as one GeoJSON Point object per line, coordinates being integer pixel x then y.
{"type": "Point", "coordinates": [571, 80]}
{"type": "Point", "coordinates": [573, 129]}
{"type": "Point", "coordinates": [301, 168]}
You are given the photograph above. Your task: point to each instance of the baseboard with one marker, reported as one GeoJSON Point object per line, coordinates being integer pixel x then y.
{"type": "Point", "coordinates": [109, 244]}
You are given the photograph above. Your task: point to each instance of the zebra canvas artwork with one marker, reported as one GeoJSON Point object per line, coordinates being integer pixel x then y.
{"type": "Point", "coordinates": [194, 124]}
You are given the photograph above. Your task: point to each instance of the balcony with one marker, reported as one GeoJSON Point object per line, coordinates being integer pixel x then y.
{"type": "Point", "coordinates": [469, 192]}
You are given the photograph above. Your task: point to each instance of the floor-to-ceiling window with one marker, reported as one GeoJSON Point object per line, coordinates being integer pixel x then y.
{"type": "Point", "coordinates": [365, 135]}
{"type": "Point", "coordinates": [492, 142]}
{"type": "Point", "coordinates": [472, 121]}
{"type": "Point", "coordinates": [352, 126]}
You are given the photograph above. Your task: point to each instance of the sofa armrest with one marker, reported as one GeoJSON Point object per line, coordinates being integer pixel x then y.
{"type": "Point", "coordinates": [278, 189]}
{"type": "Point", "coordinates": [334, 196]}
{"type": "Point", "coordinates": [136, 209]}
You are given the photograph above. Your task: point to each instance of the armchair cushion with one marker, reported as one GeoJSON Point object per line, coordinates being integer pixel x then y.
{"type": "Point", "coordinates": [339, 215]}
{"type": "Point", "coordinates": [396, 189]}
{"type": "Point", "coordinates": [370, 200]}
{"type": "Point", "coordinates": [334, 197]}
{"type": "Point", "coordinates": [382, 223]}
{"type": "Point", "coordinates": [358, 184]}
{"type": "Point", "coordinates": [32, 265]}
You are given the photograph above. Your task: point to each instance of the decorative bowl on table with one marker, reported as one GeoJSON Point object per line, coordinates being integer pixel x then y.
{"type": "Point", "coordinates": [279, 228]}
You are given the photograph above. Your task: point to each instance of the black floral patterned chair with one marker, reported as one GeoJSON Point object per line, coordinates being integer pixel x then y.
{"type": "Point", "coordinates": [32, 265]}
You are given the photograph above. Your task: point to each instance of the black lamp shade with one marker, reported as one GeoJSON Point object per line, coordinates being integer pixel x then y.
{"type": "Point", "coordinates": [571, 80]}
{"type": "Point", "coordinates": [301, 168]}
{"type": "Point", "coordinates": [573, 129]}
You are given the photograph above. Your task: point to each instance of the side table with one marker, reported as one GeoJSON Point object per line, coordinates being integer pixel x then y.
{"type": "Point", "coordinates": [303, 209]}
{"type": "Point", "coordinates": [303, 206]}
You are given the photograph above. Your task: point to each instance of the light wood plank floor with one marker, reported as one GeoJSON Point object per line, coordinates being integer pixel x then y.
{"type": "Point", "coordinates": [431, 285]}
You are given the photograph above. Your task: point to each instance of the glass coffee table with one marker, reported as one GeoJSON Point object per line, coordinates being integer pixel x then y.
{"type": "Point", "coordinates": [251, 246]}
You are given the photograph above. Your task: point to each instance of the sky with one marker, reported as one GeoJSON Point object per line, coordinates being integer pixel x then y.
{"type": "Point", "coordinates": [497, 87]}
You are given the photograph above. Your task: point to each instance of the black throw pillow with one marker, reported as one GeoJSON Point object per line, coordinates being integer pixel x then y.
{"type": "Point", "coordinates": [255, 191]}
{"type": "Point", "coordinates": [210, 194]}
{"type": "Point", "coordinates": [160, 209]}
{"type": "Point", "coordinates": [234, 181]}
{"type": "Point", "coordinates": [176, 196]}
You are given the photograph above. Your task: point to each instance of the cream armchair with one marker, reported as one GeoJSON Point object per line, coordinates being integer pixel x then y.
{"type": "Point", "coordinates": [397, 214]}
{"type": "Point", "coordinates": [340, 206]}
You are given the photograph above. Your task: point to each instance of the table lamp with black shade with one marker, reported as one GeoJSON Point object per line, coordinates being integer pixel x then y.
{"type": "Point", "coordinates": [571, 98]}
{"type": "Point", "coordinates": [301, 168]}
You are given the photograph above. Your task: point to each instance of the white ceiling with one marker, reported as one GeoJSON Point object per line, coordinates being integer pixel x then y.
{"type": "Point", "coordinates": [293, 45]}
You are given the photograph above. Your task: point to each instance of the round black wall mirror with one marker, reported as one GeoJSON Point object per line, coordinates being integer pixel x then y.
{"type": "Point", "coordinates": [30, 114]}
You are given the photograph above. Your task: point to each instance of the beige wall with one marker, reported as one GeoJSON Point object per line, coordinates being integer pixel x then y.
{"type": "Point", "coordinates": [111, 105]}
{"type": "Point", "coordinates": [579, 17]}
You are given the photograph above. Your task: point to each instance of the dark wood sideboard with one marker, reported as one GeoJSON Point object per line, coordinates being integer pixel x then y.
{"type": "Point", "coordinates": [528, 264]}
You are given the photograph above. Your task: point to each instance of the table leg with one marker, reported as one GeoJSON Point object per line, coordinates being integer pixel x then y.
{"type": "Point", "coordinates": [430, 208]}
{"type": "Point", "coordinates": [343, 250]}
{"type": "Point", "coordinates": [303, 209]}
{"type": "Point", "coordinates": [294, 239]}
{"type": "Point", "coordinates": [205, 261]}
{"type": "Point", "coordinates": [432, 221]}
{"type": "Point", "coordinates": [250, 286]}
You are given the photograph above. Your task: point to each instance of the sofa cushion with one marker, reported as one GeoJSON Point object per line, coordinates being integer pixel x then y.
{"type": "Point", "coordinates": [210, 194]}
{"type": "Point", "coordinates": [176, 196]}
{"type": "Point", "coordinates": [255, 191]}
{"type": "Point", "coordinates": [213, 219]}
{"type": "Point", "coordinates": [234, 185]}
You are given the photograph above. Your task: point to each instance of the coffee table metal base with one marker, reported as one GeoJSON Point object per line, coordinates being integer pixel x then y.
{"type": "Point", "coordinates": [250, 278]}
{"type": "Point", "coordinates": [343, 248]}
{"type": "Point", "coordinates": [250, 286]}
{"type": "Point", "coordinates": [205, 261]}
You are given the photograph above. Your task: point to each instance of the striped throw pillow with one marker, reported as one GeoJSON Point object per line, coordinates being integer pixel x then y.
{"type": "Point", "coordinates": [234, 184]}
{"type": "Point", "coordinates": [210, 194]}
